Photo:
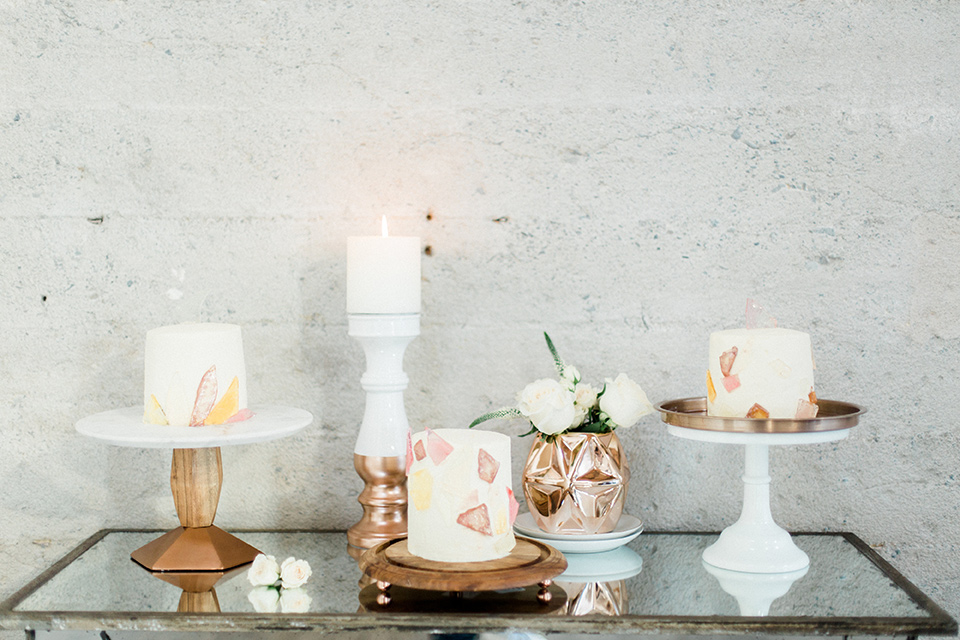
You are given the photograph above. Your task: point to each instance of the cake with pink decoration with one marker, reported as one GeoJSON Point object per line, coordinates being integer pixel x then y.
{"type": "Point", "coordinates": [461, 506]}
{"type": "Point", "coordinates": [194, 375]}
{"type": "Point", "coordinates": [761, 373]}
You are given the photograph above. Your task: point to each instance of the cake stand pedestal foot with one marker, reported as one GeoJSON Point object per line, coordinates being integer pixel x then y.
{"type": "Point", "coordinates": [196, 476]}
{"type": "Point", "coordinates": [383, 598]}
{"type": "Point", "coordinates": [755, 543]}
{"type": "Point", "coordinates": [544, 594]}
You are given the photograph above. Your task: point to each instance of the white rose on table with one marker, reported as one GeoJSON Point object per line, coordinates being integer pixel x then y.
{"type": "Point", "coordinates": [294, 573]}
{"type": "Point", "coordinates": [624, 401]}
{"type": "Point", "coordinates": [548, 405]}
{"type": "Point", "coordinates": [264, 599]}
{"type": "Point", "coordinates": [585, 399]}
{"type": "Point", "coordinates": [264, 572]}
{"type": "Point", "coordinates": [294, 601]}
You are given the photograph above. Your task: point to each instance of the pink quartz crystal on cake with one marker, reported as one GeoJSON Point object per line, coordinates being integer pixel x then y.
{"type": "Point", "coordinates": [206, 397]}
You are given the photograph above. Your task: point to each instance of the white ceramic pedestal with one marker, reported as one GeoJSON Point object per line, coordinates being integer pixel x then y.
{"type": "Point", "coordinates": [755, 543]}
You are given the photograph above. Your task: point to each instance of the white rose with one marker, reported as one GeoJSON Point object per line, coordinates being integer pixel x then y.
{"type": "Point", "coordinates": [294, 573]}
{"type": "Point", "coordinates": [264, 572]}
{"type": "Point", "coordinates": [570, 375]}
{"type": "Point", "coordinates": [548, 405]}
{"type": "Point", "coordinates": [294, 601]}
{"type": "Point", "coordinates": [624, 401]}
{"type": "Point", "coordinates": [585, 399]}
{"type": "Point", "coordinates": [264, 599]}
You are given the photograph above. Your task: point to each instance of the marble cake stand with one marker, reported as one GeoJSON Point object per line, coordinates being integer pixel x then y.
{"type": "Point", "coordinates": [755, 543]}
{"type": "Point", "coordinates": [196, 476]}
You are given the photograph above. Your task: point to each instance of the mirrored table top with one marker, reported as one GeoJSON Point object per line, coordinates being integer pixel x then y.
{"type": "Point", "coordinates": [656, 584]}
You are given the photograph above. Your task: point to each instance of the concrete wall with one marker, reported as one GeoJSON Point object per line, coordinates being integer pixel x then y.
{"type": "Point", "coordinates": [623, 176]}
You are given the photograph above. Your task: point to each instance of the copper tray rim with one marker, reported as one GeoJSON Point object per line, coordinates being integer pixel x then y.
{"type": "Point", "coordinates": [691, 413]}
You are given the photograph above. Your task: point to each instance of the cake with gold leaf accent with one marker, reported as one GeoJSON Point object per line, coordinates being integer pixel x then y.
{"type": "Point", "coordinates": [761, 373]}
{"type": "Point", "coordinates": [194, 375]}
{"type": "Point", "coordinates": [461, 506]}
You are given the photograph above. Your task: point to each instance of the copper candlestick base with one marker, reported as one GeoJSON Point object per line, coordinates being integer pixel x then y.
{"type": "Point", "coordinates": [196, 476]}
{"type": "Point", "coordinates": [384, 501]}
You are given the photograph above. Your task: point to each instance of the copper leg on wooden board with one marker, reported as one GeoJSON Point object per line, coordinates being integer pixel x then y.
{"type": "Point", "coordinates": [196, 476]}
{"type": "Point", "coordinates": [384, 501]}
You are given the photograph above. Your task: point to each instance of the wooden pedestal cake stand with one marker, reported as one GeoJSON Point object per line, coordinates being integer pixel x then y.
{"type": "Point", "coordinates": [530, 563]}
{"type": "Point", "coordinates": [196, 476]}
{"type": "Point", "coordinates": [755, 543]}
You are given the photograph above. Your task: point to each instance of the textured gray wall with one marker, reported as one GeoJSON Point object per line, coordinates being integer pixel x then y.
{"type": "Point", "coordinates": [623, 176]}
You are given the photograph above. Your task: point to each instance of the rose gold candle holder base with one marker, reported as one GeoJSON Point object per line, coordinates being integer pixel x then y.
{"type": "Point", "coordinates": [384, 501]}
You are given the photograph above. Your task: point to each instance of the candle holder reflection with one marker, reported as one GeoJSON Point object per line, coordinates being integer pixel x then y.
{"type": "Point", "coordinates": [754, 592]}
{"type": "Point", "coordinates": [596, 582]}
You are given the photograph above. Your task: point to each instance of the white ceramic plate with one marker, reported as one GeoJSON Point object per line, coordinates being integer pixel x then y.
{"type": "Point", "coordinates": [586, 546]}
{"type": "Point", "coordinates": [526, 525]}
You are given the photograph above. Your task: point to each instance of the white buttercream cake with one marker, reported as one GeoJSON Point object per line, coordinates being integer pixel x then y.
{"type": "Point", "coordinates": [761, 373]}
{"type": "Point", "coordinates": [461, 507]}
{"type": "Point", "coordinates": [194, 375]}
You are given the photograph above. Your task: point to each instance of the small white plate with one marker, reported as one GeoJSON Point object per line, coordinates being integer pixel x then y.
{"type": "Point", "coordinates": [526, 525]}
{"type": "Point", "coordinates": [586, 546]}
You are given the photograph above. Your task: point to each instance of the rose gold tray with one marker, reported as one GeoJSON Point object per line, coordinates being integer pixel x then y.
{"type": "Point", "coordinates": [691, 413]}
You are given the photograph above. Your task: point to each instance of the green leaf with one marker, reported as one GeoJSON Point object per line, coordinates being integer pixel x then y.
{"type": "Point", "coordinates": [532, 430]}
{"type": "Point", "coordinates": [506, 412]}
{"type": "Point", "coordinates": [557, 361]}
{"type": "Point", "coordinates": [593, 427]}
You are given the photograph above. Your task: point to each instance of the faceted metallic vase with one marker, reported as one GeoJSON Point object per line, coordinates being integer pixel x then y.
{"type": "Point", "coordinates": [577, 483]}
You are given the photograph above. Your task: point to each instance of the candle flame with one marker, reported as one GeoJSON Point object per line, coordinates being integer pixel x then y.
{"type": "Point", "coordinates": [383, 226]}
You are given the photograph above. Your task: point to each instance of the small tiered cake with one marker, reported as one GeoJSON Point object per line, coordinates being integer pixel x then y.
{"type": "Point", "coordinates": [761, 373]}
{"type": "Point", "coordinates": [461, 505]}
{"type": "Point", "coordinates": [194, 375]}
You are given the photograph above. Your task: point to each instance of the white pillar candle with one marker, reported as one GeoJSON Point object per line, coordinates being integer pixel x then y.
{"type": "Point", "coordinates": [383, 273]}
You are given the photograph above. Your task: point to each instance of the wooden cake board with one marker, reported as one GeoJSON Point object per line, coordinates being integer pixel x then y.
{"type": "Point", "coordinates": [531, 562]}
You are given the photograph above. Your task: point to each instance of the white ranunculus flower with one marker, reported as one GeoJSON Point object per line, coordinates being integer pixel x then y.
{"type": "Point", "coordinates": [585, 398]}
{"type": "Point", "coordinates": [264, 572]}
{"type": "Point", "coordinates": [264, 599]}
{"type": "Point", "coordinates": [548, 405]}
{"type": "Point", "coordinates": [294, 601]}
{"type": "Point", "coordinates": [294, 573]}
{"type": "Point", "coordinates": [624, 401]}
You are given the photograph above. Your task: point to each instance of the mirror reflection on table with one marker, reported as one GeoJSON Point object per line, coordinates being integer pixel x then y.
{"type": "Point", "coordinates": [840, 581]}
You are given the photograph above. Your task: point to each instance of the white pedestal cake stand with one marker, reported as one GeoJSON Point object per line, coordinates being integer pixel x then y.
{"type": "Point", "coordinates": [196, 476]}
{"type": "Point", "coordinates": [755, 543]}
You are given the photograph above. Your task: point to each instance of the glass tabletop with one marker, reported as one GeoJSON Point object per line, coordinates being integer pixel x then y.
{"type": "Point", "coordinates": [656, 583]}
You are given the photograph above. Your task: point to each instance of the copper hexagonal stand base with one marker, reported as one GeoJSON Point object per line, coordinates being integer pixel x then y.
{"type": "Point", "coordinates": [195, 549]}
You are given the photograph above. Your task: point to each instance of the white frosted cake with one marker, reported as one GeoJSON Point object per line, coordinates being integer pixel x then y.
{"type": "Point", "coordinates": [194, 374]}
{"type": "Point", "coordinates": [461, 506]}
{"type": "Point", "coordinates": [761, 373]}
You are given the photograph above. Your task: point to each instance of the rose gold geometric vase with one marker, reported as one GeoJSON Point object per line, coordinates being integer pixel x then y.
{"type": "Point", "coordinates": [577, 483]}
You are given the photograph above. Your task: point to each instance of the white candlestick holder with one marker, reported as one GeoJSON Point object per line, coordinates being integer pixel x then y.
{"type": "Point", "coordinates": [380, 453]}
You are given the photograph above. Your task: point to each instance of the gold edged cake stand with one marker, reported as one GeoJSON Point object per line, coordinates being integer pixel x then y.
{"type": "Point", "coordinates": [531, 562]}
{"type": "Point", "coordinates": [196, 477]}
{"type": "Point", "coordinates": [755, 543]}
